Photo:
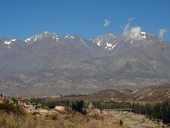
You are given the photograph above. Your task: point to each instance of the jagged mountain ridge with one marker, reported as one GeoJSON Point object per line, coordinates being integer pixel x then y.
{"type": "Point", "coordinates": [43, 51]}
{"type": "Point", "coordinates": [50, 64]}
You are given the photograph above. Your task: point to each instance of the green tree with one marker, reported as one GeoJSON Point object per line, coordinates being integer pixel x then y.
{"type": "Point", "coordinates": [79, 106]}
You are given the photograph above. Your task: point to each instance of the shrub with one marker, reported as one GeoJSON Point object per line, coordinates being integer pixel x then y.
{"type": "Point", "coordinates": [79, 106]}
{"type": "Point", "coordinates": [11, 108]}
{"type": "Point", "coordinates": [120, 122]}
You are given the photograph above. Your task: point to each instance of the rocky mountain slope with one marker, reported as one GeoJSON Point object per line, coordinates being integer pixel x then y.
{"type": "Point", "coordinates": [50, 64]}
{"type": "Point", "coordinates": [147, 94]}
{"type": "Point", "coordinates": [43, 51]}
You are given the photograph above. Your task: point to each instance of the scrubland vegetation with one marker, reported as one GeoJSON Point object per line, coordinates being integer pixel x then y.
{"type": "Point", "coordinates": [76, 115]}
{"type": "Point", "coordinates": [159, 111]}
{"type": "Point", "coordinates": [12, 116]}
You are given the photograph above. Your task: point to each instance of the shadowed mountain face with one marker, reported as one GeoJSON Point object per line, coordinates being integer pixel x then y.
{"type": "Point", "coordinates": [49, 64]}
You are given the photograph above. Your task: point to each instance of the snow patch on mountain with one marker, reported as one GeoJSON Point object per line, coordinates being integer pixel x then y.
{"type": "Point", "coordinates": [13, 40]}
{"type": "Point", "coordinates": [7, 42]}
{"type": "Point", "coordinates": [69, 37]}
{"type": "Point", "coordinates": [27, 40]}
{"type": "Point", "coordinates": [41, 36]}
{"type": "Point", "coordinates": [143, 34]}
{"type": "Point", "coordinates": [56, 38]}
{"type": "Point", "coordinates": [110, 46]}
{"type": "Point", "coordinates": [99, 43]}
{"type": "Point", "coordinates": [107, 41]}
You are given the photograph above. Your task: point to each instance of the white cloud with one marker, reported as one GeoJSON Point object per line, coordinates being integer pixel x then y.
{"type": "Point", "coordinates": [132, 32]}
{"type": "Point", "coordinates": [135, 33]}
{"type": "Point", "coordinates": [131, 19]}
{"type": "Point", "coordinates": [162, 32]}
{"type": "Point", "coordinates": [126, 29]}
{"type": "Point", "coordinates": [127, 26]}
{"type": "Point", "coordinates": [106, 23]}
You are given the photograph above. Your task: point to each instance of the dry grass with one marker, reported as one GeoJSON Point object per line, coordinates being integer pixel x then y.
{"type": "Point", "coordinates": [74, 120]}
{"type": "Point", "coordinates": [55, 120]}
{"type": "Point", "coordinates": [131, 120]}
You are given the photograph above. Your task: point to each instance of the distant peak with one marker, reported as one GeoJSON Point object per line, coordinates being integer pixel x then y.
{"type": "Point", "coordinates": [108, 41]}
{"type": "Point", "coordinates": [42, 35]}
{"type": "Point", "coordinates": [9, 42]}
{"type": "Point", "coordinates": [69, 36]}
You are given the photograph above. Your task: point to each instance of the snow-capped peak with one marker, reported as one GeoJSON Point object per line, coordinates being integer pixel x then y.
{"type": "Point", "coordinates": [27, 40]}
{"type": "Point", "coordinates": [108, 41]}
{"type": "Point", "coordinates": [69, 37]}
{"type": "Point", "coordinates": [8, 42]}
{"type": "Point", "coordinates": [41, 36]}
{"type": "Point", "coordinates": [13, 40]}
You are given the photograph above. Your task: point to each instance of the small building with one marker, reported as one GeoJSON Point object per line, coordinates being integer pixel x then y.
{"type": "Point", "coordinates": [1, 101]}
{"type": "Point", "coordinates": [59, 108]}
{"type": "Point", "coordinates": [21, 104]}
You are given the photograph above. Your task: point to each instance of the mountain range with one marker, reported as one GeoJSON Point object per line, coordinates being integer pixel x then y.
{"type": "Point", "coordinates": [49, 64]}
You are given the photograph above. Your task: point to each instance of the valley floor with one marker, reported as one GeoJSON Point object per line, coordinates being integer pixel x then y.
{"type": "Point", "coordinates": [131, 120]}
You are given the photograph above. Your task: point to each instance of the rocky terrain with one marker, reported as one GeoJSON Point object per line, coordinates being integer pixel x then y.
{"type": "Point", "coordinates": [48, 64]}
{"type": "Point", "coordinates": [147, 94]}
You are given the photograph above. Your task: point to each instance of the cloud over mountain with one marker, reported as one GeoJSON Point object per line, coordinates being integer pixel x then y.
{"type": "Point", "coordinates": [162, 32]}
{"type": "Point", "coordinates": [106, 23]}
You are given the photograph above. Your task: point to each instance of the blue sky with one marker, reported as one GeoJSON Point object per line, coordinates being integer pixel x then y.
{"type": "Point", "coordinates": [24, 18]}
